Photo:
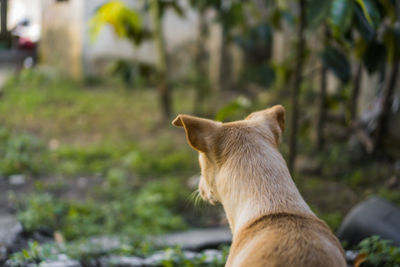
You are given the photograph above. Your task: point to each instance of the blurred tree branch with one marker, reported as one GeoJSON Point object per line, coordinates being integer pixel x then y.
{"type": "Point", "coordinates": [296, 84]}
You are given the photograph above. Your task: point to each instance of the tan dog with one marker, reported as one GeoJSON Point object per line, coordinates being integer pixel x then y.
{"type": "Point", "coordinates": [243, 169]}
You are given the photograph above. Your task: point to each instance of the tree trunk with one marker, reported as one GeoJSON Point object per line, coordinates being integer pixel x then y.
{"type": "Point", "coordinates": [386, 107]}
{"type": "Point", "coordinates": [161, 64]}
{"type": "Point", "coordinates": [353, 104]}
{"type": "Point", "coordinates": [296, 85]}
{"type": "Point", "coordinates": [201, 64]}
{"type": "Point", "coordinates": [321, 110]}
{"type": "Point", "coordinates": [3, 23]}
{"type": "Point", "coordinates": [225, 64]}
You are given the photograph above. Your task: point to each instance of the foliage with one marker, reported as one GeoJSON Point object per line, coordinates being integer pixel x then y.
{"type": "Point", "coordinates": [126, 173]}
{"type": "Point", "coordinates": [63, 109]}
{"type": "Point", "coordinates": [376, 40]}
{"type": "Point", "coordinates": [375, 251]}
{"type": "Point", "coordinates": [177, 257]}
{"type": "Point", "coordinates": [34, 254]}
{"type": "Point", "coordinates": [234, 109]}
{"type": "Point", "coordinates": [337, 62]}
{"type": "Point", "coordinates": [132, 73]}
{"type": "Point", "coordinates": [86, 251]}
{"type": "Point", "coordinates": [230, 15]}
{"type": "Point", "coordinates": [123, 212]}
{"type": "Point", "coordinates": [391, 195]}
{"type": "Point", "coordinates": [126, 22]}
{"type": "Point", "coordinates": [21, 153]}
{"type": "Point", "coordinates": [333, 219]}
{"type": "Point", "coordinates": [83, 250]}
{"type": "Point", "coordinates": [256, 43]}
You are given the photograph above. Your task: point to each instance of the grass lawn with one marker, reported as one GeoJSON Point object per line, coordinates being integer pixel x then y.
{"type": "Point", "coordinates": [81, 146]}
{"type": "Point", "coordinates": [99, 160]}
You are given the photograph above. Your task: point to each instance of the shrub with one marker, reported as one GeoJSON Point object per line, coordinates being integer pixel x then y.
{"type": "Point", "coordinates": [21, 153]}
{"type": "Point", "coordinates": [377, 252]}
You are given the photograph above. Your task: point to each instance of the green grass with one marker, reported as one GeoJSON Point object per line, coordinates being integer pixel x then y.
{"type": "Point", "coordinates": [53, 127]}
{"type": "Point", "coordinates": [120, 210]}
{"type": "Point", "coordinates": [89, 130]}
{"type": "Point", "coordinates": [72, 114]}
{"type": "Point", "coordinates": [56, 131]}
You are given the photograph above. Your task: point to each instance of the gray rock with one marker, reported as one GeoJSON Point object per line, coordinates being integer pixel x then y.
{"type": "Point", "coordinates": [60, 263]}
{"type": "Point", "coordinates": [197, 239]}
{"type": "Point", "coordinates": [157, 258]}
{"type": "Point", "coordinates": [17, 179]}
{"type": "Point", "coordinates": [351, 255]}
{"type": "Point", "coordinates": [100, 245]}
{"type": "Point", "coordinates": [208, 256]}
{"type": "Point", "coordinates": [10, 229]}
{"type": "Point", "coordinates": [374, 216]}
{"type": "Point", "coordinates": [212, 255]}
{"type": "Point", "coordinates": [121, 261]}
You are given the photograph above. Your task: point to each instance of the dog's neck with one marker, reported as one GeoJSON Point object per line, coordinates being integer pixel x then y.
{"type": "Point", "coordinates": [249, 191]}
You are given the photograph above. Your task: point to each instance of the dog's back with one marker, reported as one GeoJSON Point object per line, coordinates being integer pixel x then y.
{"type": "Point", "coordinates": [286, 240]}
{"type": "Point", "coordinates": [243, 169]}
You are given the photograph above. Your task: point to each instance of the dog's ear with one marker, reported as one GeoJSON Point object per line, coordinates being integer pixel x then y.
{"type": "Point", "coordinates": [275, 117]}
{"type": "Point", "coordinates": [199, 132]}
{"type": "Point", "coordinates": [278, 113]}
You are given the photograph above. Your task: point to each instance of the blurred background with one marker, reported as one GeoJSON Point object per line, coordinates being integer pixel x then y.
{"type": "Point", "coordinates": [89, 88]}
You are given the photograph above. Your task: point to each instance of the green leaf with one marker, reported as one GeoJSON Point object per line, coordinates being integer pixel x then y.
{"type": "Point", "coordinates": [368, 18]}
{"type": "Point", "coordinates": [317, 11]}
{"type": "Point", "coordinates": [26, 254]}
{"type": "Point", "coordinates": [164, 5]}
{"type": "Point", "coordinates": [262, 75]}
{"type": "Point", "coordinates": [232, 16]}
{"type": "Point", "coordinates": [363, 26]}
{"type": "Point", "coordinates": [391, 39]}
{"type": "Point", "coordinates": [360, 46]}
{"type": "Point", "coordinates": [256, 42]}
{"type": "Point", "coordinates": [236, 106]}
{"type": "Point", "coordinates": [126, 22]}
{"type": "Point", "coordinates": [365, 11]}
{"type": "Point", "coordinates": [341, 16]}
{"type": "Point", "coordinates": [280, 15]}
{"type": "Point", "coordinates": [389, 7]}
{"type": "Point", "coordinates": [374, 57]}
{"type": "Point", "coordinates": [337, 62]}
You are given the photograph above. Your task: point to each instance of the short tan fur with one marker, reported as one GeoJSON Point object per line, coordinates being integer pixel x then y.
{"type": "Point", "coordinates": [243, 169]}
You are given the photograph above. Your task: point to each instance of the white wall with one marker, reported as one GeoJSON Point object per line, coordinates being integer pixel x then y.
{"type": "Point", "coordinates": [19, 10]}
{"type": "Point", "coordinates": [177, 31]}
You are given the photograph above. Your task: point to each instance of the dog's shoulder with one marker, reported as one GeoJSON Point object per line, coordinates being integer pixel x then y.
{"type": "Point", "coordinates": [283, 239]}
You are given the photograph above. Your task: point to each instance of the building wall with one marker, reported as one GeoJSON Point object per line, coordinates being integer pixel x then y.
{"type": "Point", "coordinates": [21, 9]}
{"type": "Point", "coordinates": [62, 30]}
{"type": "Point", "coordinates": [177, 31]}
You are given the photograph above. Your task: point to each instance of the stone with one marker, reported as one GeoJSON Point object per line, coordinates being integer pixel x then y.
{"type": "Point", "coordinates": [169, 254]}
{"type": "Point", "coordinates": [10, 229]}
{"type": "Point", "coordinates": [155, 259]}
{"type": "Point", "coordinates": [374, 216]}
{"type": "Point", "coordinates": [197, 239]}
{"type": "Point", "coordinates": [17, 179]}
{"type": "Point", "coordinates": [121, 261]}
{"type": "Point", "coordinates": [212, 255]}
{"type": "Point", "coordinates": [63, 262]}
{"type": "Point", "coordinates": [100, 245]}
{"type": "Point", "coordinates": [351, 255]}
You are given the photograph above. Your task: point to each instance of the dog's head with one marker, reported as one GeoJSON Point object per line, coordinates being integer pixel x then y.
{"type": "Point", "coordinates": [223, 146]}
